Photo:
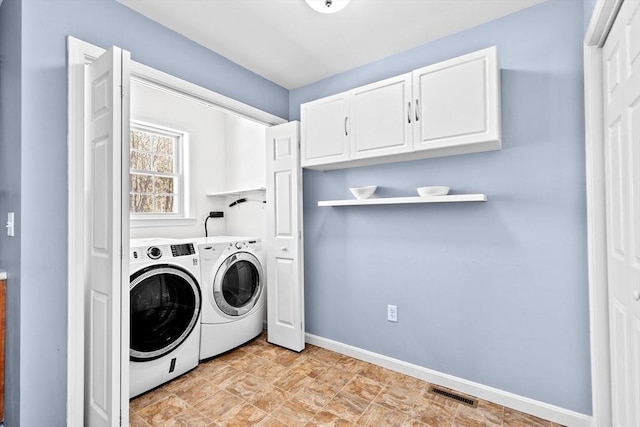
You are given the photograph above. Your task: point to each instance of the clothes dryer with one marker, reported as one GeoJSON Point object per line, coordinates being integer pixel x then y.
{"type": "Point", "coordinates": [233, 282]}
{"type": "Point", "coordinates": [165, 311]}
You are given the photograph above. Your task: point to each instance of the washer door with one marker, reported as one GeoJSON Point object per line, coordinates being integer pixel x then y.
{"type": "Point", "coordinates": [238, 284]}
{"type": "Point", "coordinates": [165, 305]}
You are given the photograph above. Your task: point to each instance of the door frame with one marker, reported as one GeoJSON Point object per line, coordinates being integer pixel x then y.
{"type": "Point", "coordinates": [80, 53]}
{"type": "Point", "coordinates": [602, 19]}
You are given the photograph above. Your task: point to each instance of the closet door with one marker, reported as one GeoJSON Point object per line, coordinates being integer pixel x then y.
{"type": "Point", "coordinates": [621, 94]}
{"type": "Point", "coordinates": [107, 330]}
{"type": "Point", "coordinates": [283, 246]}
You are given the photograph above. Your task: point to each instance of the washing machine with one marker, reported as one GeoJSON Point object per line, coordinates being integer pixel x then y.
{"type": "Point", "coordinates": [165, 311]}
{"type": "Point", "coordinates": [234, 292]}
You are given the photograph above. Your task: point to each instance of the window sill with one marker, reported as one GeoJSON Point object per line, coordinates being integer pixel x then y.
{"type": "Point", "coordinates": [161, 222]}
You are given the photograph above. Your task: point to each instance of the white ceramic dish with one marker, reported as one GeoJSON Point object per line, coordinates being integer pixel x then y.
{"type": "Point", "coordinates": [435, 190]}
{"type": "Point", "coordinates": [363, 192]}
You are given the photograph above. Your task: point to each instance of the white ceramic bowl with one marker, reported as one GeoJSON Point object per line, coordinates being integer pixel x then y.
{"type": "Point", "coordinates": [435, 190]}
{"type": "Point", "coordinates": [363, 192]}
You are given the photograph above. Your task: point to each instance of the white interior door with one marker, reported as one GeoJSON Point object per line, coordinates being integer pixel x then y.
{"type": "Point", "coordinates": [621, 92]}
{"type": "Point", "coordinates": [285, 287]}
{"type": "Point", "coordinates": [106, 191]}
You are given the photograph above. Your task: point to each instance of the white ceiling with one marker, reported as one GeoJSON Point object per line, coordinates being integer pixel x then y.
{"type": "Point", "coordinates": [292, 45]}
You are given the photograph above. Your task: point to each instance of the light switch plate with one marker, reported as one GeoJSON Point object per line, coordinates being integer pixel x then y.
{"type": "Point", "coordinates": [10, 224]}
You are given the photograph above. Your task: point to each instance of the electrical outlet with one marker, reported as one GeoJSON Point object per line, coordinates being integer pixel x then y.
{"type": "Point", "coordinates": [392, 313]}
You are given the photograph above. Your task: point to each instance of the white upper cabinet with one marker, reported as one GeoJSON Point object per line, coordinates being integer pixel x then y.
{"type": "Point", "coordinates": [381, 118]}
{"type": "Point", "coordinates": [325, 130]}
{"type": "Point", "coordinates": [448, 108]}
{"type": "Point", "coordinates": [458, 102]}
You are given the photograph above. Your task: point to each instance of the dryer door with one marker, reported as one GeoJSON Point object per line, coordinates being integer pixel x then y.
{"type": "Point", "coordinates": [238, 284]}
{"type": "Point", "coordinates": [165, 305]}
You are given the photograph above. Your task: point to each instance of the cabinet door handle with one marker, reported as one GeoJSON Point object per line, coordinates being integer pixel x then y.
{"type": "Point", "coordinates": [409, 112]}
{"type": "Point", "coordinates": [417, 113]}
{"type": "Point", "coordinates": [346, 132]}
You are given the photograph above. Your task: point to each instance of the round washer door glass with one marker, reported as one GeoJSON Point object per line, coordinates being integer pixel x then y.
{"type": "Point", "coordinates": [238, 284]}
{"type": "Point", "coordinates": [164, 309]}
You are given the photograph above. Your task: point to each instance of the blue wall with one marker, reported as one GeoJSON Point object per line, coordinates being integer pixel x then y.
{"type": "Point", "coordinates": [39, 160]}
{"type": "Point", "coordinates": [10, 171]}
{"type": "Point", "coordinates": [496, 292]}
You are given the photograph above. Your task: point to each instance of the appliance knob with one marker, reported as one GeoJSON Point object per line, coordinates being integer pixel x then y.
{"type": "Point", "coordinates": [636, 295]}
{"type": "Point", "coordinates": [154, 252]}
{"type": "Point", "coordinates": [238, 245]}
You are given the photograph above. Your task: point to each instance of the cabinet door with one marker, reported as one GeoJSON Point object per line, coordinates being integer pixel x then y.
{"type": "Point", "coordinates": [458, 102]}
{"type": "Point", "coordinates": [381, 118]}
{"type": "Point", "coordinates": [325, 132]}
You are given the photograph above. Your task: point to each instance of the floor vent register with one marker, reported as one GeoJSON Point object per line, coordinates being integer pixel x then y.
{"type": "Point", "coordinates": [450, 395]}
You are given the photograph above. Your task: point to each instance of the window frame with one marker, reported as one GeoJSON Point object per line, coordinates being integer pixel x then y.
{"type": "Point", "coordinates": [181, 172]}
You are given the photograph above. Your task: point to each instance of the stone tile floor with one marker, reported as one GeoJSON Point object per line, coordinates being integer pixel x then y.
{"type": "Point", "coordinates": [263, 385]}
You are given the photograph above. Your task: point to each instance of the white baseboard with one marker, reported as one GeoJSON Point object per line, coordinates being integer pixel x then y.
{"type": "Point", "coordinates": [523, 404]}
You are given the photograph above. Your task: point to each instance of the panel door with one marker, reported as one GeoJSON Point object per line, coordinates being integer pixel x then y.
{"type": "Point", "coordinates": [458, 101]}
{"type": "Point", "coordinates": [381, 117]}
{"type": "Point", "coordinates": [107, 190]}
{"type": "Point", "coordinates": [285, 278]}
{"type": "Point", "coordinates": [325, 130]}
{"type": "Point", "coordinates": [621, 93]}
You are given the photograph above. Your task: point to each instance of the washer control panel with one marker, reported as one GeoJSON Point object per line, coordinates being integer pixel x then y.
{"type": "Point", "coordinates": [183, 249]}
{"type": "Point", "coordinates": [162, 251]}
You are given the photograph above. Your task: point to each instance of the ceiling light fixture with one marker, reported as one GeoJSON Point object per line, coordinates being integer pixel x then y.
{"type": "Point", "coordinates": [327, 6]}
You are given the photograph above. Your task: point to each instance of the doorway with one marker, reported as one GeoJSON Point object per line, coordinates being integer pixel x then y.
{"type": "Point", "coordinates": [79, 54]}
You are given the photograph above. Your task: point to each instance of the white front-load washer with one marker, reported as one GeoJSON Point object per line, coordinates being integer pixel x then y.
{"type": "Point", "coordinates": [234, 288]}
{"type": "Point", "coordinates": [165, 311]}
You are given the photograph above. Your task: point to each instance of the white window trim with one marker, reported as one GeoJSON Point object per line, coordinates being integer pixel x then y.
{"type": "Point", "coordinates": [182, 217]}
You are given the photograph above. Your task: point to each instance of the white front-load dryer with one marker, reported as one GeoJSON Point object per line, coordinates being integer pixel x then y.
{"type": "Point", "coordinates": [165, 311]}
{"type": "Point", "coordinates": [233, 283]}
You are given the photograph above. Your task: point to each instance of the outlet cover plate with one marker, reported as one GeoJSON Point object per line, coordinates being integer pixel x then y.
{"type": "Point", "coordinates": [392, 313]}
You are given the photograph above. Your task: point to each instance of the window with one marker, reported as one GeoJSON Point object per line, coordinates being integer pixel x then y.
{"type": "Point", "coordinates": [157, 172]}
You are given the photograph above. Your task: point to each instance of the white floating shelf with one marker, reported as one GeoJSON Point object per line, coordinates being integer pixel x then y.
{"type": "Point", "coordinates": [237, 192]}
{"type": "Point", "coordinates": [406, 200]}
